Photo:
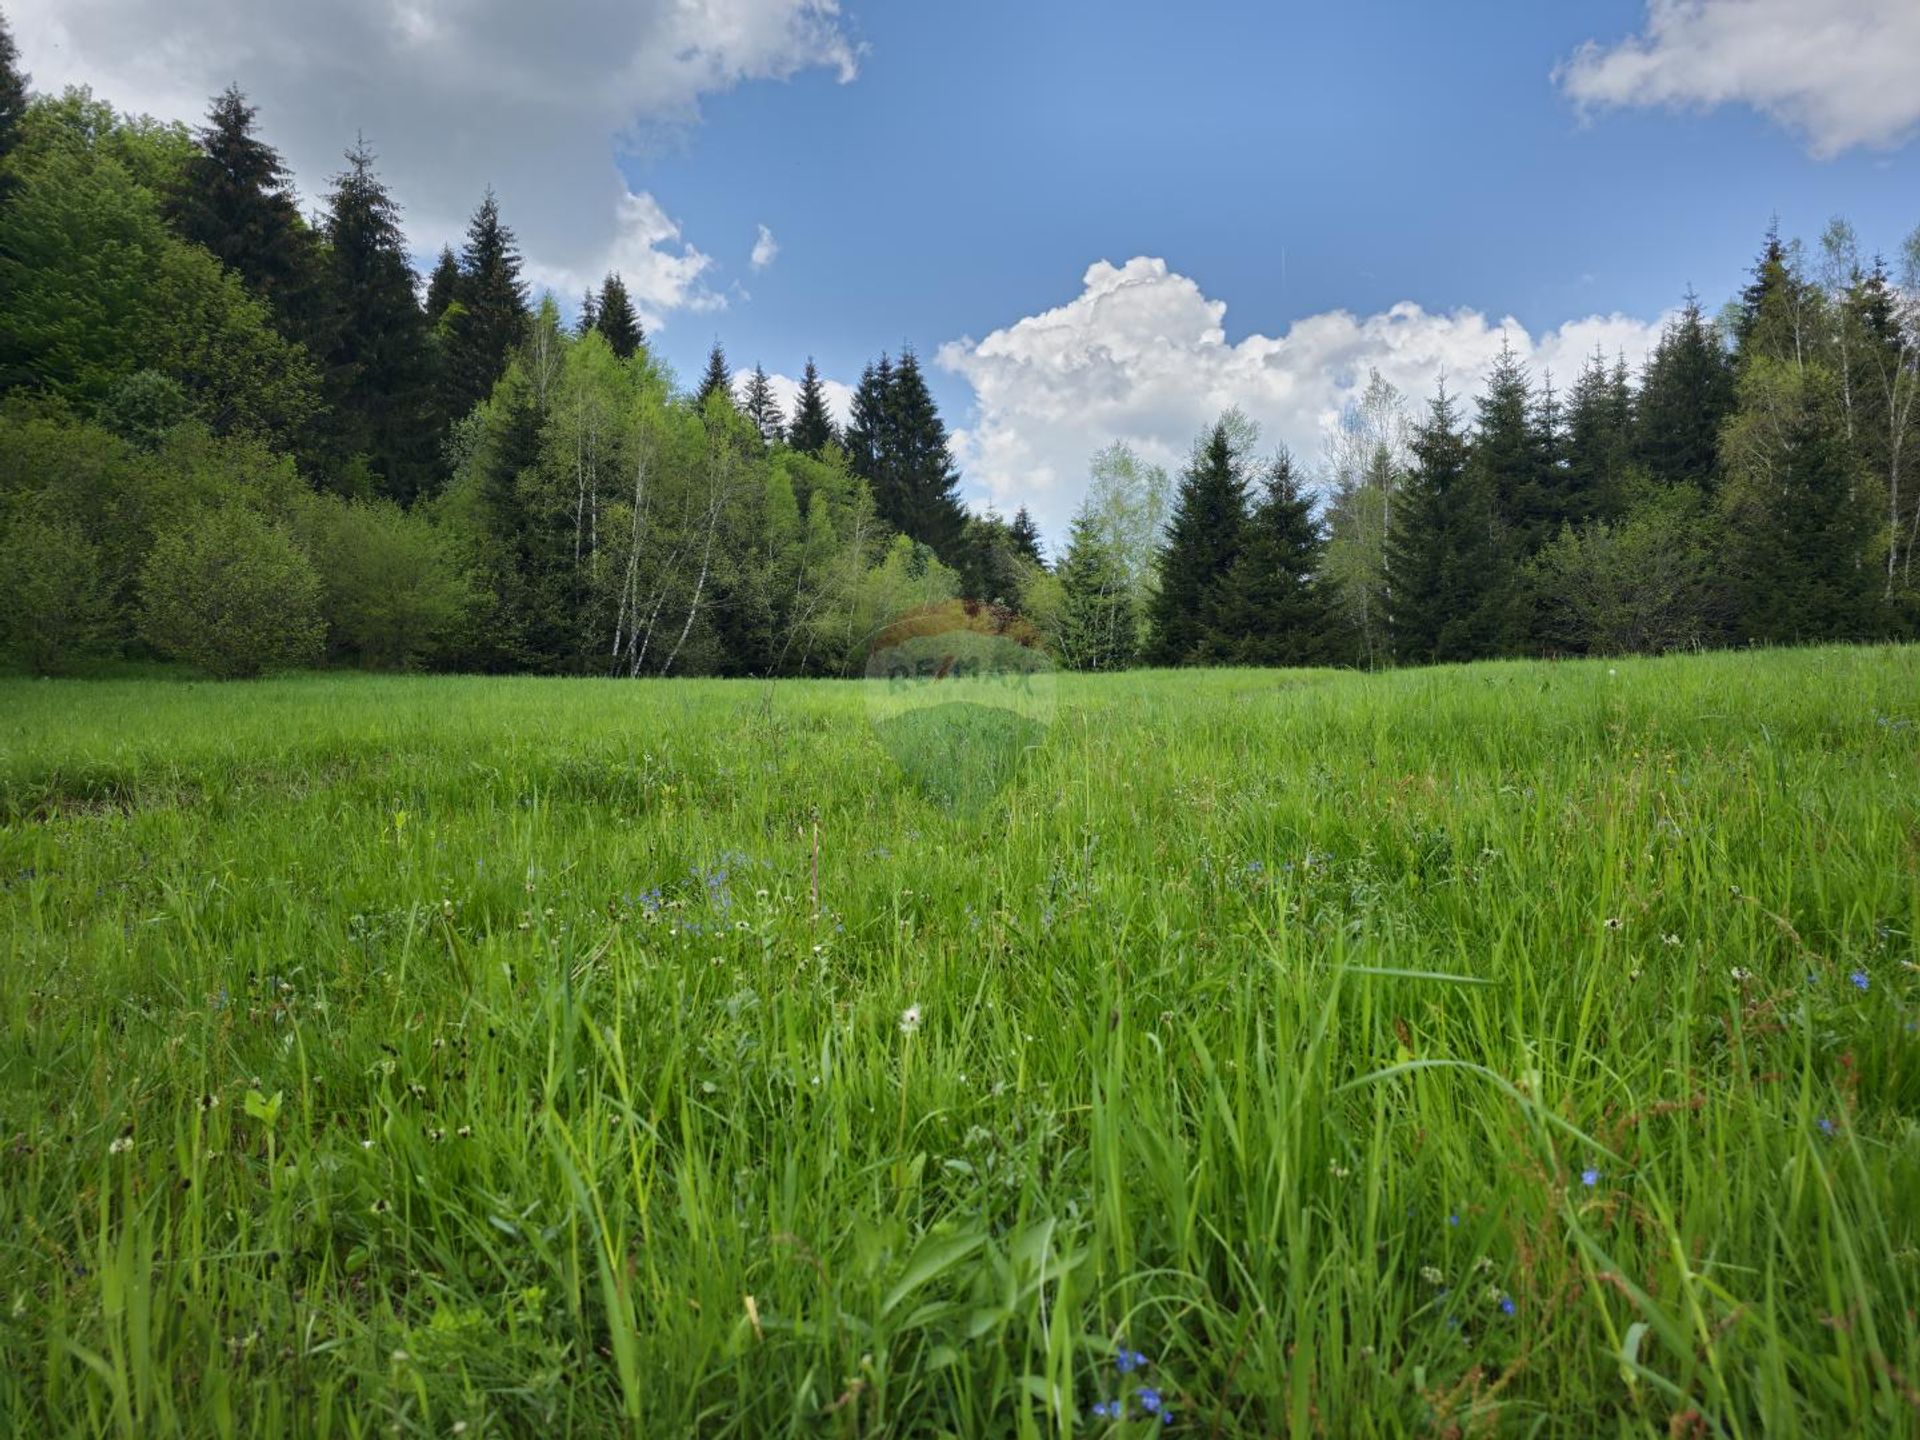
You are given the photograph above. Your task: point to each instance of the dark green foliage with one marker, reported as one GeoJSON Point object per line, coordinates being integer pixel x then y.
{"type": "Point", "coordinates": [717, 380]}
{"type": "Point", "coordinates": [236, 199]}
{"type": "Point", "coordinates": [868, 423]}
{"type": "Point", "coordinates": [143, 408]}
{"type": "Point", "coordinates": [1440, 550]}
{"type": "Point", "coordinates": [1598, 445]}
{"type": "Point", "coordinates": [762, 409]}
{"type": "Point", "coordinates": [1097, 621]}
{"type": "Point", "coordinates": [1203, 542]}
{"type": "Point", "coordinates": [443, 286]}
{"type": "Point", "coordinates": [231, 593]}
{"type": "Point", "coordinates": [1275, 610]}
{"type": "Point", "coordinates": [811, 430]}
{"type": "Point", "coordinates": [377, 362]}
{"type": "Point", "coordinates": [1685, 396]}
{"type": "Point", "coordinates": [991, 567]}
{"type": "Point", "coordinates": [491, 315]}
{"type": "Point", "coordinates": [56, 607]}
{"type": "Point", "coordinates": [896, 441]}
{"type": "Point", "coordinates": [615, 318]}
{"type": "Point", "coordinates": [393, 592]}
{"type": "Point", "coordinates": [13, 106]}
{"type": "Point", "coordinates": [1026, 537]}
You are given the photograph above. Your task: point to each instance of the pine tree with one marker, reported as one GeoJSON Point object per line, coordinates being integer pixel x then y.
{"type": "Point", "coordinates": [1097, 623]}
{"type": "Point", "coordinates": [13, 105]}
{"type": "Point", "coordinates": [1773, 316]}
{"type": "Point", "coordinates": [919, 490]}
{"type": "Point", "coordinates": [762, 407]}
{"type": "Point", "coordinates": [493, 306]}
{"type": "Point", "coordinates": [376, 365]}
{"type": "Point", "coordinates": [443, 287]}
{"type": "Point", "coordinates": [1685, 396]}
{"type": "Point", "coordinates": [616, 319]}
{"type": "Point", "coordinates": [589, 319]}
{"type": "Point", "coordinates": [868, 437]}
{"type": "Point", "coordinates": [717, 381]}
{"type": "Point", "coordinates": [812, 428]}
{"type": "Point", "coordinates": [1203, 542]}
{"type": "Point", "coordinates": [236, 198]}
{"type": "Point", "coordinates": [1276, 610]}
{"type": "Point", "coordinates": [1026, 537]}
{"type": "Point", "coordinates": [1599, 442]}
{"type": "Point", "coordinates": [1440, 549]}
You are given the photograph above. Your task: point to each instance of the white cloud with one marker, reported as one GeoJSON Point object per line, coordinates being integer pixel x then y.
{"type": "Point", "coordinates": [786, 390]}
{"type": "Point", "coordinates": [1840, 72]}
{"type": "Point", "coordinates": [765, 247]}
{"type": "Point", "coordinates": [454, 95]}
{"type": "Point", "coordinates": [662, 272]}
{"type": "Point", "coordinates": [1141, 355]}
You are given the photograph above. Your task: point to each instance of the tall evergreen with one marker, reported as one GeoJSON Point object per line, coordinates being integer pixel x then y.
{"type": "Point", "coordinates": [868, 435]}
{"type": "Point", "coordinates": [443, 286]}
{"type": "Point", "coordinates": [1097, 624]}
{"type": "Point", "coordinates": [589, 320]}
{"type": "Point", "coordinates": [493, 318]}
{"type": "Point", "coordinates": [1276, 610]}
{"type": "Point", "coordinates": [1773, 315]}
{"type": "Point", "coordinates": [1440, 549]}
{"type": "Point", "coordinates": [236, 198]}
{"type": "Point", "coordinates": [718, 380]}
{"type": "Point", "coordinates": [376, 362]}
{"type": "Point", "coordinates": [1026, 537]}
{"type": "Point", "coordinates": [1685, 396]}
{"type": "Point", "coordinates": [13, 104]}
{"type": "Point", "coordinates": [812, 428]}
{"type": "Point", "coordinates": [762, 407]}
{"type": "Point", "coordinates": [615, 317]}
{"type": "Point", "coordinates": [1598, 443]}
{"type": "Point", "coordinates": [919, 490]}
{"type": "Point", "coordinates": [1203, 542]}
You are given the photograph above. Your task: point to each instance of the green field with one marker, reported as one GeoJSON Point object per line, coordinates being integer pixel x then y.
{"type": "Point", "coordinates": [1520, 1049]}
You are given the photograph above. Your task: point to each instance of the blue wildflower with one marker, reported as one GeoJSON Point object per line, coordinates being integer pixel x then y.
{"type": "Point", "coordinates": [1506, 1305]}
{"type": "Point", "coordinates": [1106, 1409]}
{"type": "Point", "coordinates": [1149, 1399]}
{"type": "Point", "coordinates": [1826, 1125]}
{"type": "Point", "coordinates": [1860, 979]}
{"type": "Point", "coordinates": [1589, 1177]}
{"type": "Point", "coordinates": [1127, 1361]}
{"type": "Point", "coordinates": [1454, 1219]}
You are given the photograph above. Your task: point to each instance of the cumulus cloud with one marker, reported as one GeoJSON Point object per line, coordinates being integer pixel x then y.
{"type": "Point", "coordinates": [537, 100]}
{"type": "Point", "coordinates": [1142, 355]}
{"type": "Point", "coordinates": [786, 390]}
{"type": "Point", "coordinates": [765, 247]}
{"type": "Point", "coordinates": [1840, 72]}
{"type": "Point", "coordinates": [661, 271]}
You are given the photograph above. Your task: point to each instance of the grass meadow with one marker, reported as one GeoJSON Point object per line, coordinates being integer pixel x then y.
{"type": "Point", "coordinates": [1518, 1049]}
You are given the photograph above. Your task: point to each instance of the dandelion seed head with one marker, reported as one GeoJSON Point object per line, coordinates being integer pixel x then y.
{"type": "Point", "coordinates": [909, 1019]}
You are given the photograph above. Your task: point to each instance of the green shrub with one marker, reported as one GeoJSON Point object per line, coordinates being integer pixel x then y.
{"type": "Point", "coordinates": [54, 603]}
{"type": "Point", "coordinates": [233, 594]}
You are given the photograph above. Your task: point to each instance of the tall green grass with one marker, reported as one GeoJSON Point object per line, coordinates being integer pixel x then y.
{"type": "Point", "coordinates": [1464, 1052]}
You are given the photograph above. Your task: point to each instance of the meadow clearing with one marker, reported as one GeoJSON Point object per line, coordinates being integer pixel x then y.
{"type": "Point", "coordinates": [1515, 1049]}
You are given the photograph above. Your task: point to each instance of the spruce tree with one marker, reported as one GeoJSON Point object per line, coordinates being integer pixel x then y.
{"type": "Point", "coordinates": [718, 380]}
{"type": "Point", "coordinates": [376, 365]}
{"type": "Point", "coordinates": [1203, 542]}
{"type": "Point", "coordinates": [1276, 610]}
{"type": "Point", "coordinates": [920, 495]}
{"type": "Point", "coordinates": [762, 407]}
{"type": "Point", "coordinates": [13, 105]}
{"type": "Point", "coordinates": [1097, 624]}
{"type": "Point", "coordinates": [1773, 315]}
{"type": "Point", "coordinates": [236, 198]}
{"type": "Point", "coordinates": [868, 437]}
{"type": "Point", "coordinates": [443, 286]}
{"type": "Point", "coordinates": [616, 319]}
{"type": "Point", "coordinates": [1685, 396]}
{"type": "Point", "coordinates": [812, 428]}
{"type": "Point", "coordinates": [1599, 442]}
{"type": "Point", "coordinates": [493, 318]}
{"type": "Point", "coordinates": [1026, 537]}
{"type": "Point", "coordinates": [589, 320]}
{"type": "Point", "coordinates": [1440, 549]}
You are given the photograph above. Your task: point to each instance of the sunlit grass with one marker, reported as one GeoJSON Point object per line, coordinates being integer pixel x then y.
{"type": "Point", "coordinates": [1519, 1049]}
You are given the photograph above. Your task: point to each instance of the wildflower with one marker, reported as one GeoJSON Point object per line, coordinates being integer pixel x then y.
{"type": "Point", "coordinates": [434, 1137]}
{"type": "Point", "coordinates": [208, 1102]}
{"type": "Point", "coordinates": [121, 1145]}
{"type": "Point", "coordinates": [366, 1144]}
{"type": "Point", "coordinates": [381, 1207]}
{"type": "Point", "coordinates": [1454, 1220]}
{"type": "Point", "coordinates": [1337, 1170]}
{"type": "Point", "coordinates": [1589, 1177]}
{"type": "Point", "coordinates": [1826, 1125]}
{"type": "Point", "coordinates": [909, 1019]}
{"type": "Point", "coordinates": [1740, 974]}
{"type": "Point", "coordinates": [1149, 1399]}
{"type": "Point", "coordinates": [1669, 939]}
{"type": "Point", "coordinates": [1861, 980]}
{"type": "Point", "coordinates": [1614, 922]}
{"type": "Point", "coordinates": [1106, 1410]}
{"type": "Point", "coordinates": [1506, 1305]}
{"type": "Point", "coordinates": [1432, 1275]}
{"type": "Point", "coordinates": [1127, 1361]}
{"type": "Point", "coordinates": [465, 1132]}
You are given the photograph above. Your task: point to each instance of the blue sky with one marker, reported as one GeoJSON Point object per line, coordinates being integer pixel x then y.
{"type": "Point", "coordinates": [939, 174]}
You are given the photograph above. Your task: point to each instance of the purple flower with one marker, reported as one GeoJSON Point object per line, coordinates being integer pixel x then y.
{"type": "Point", "coordinates": [1589, 1177]}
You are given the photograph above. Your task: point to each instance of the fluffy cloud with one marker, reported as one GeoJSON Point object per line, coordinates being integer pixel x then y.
{"type": "Point", "coordinates": [457, 94]}
{"type": "Point", "coordinates": [765, 247]}
{"type": "Point", "coordinates": [786, 390]}
{"type": "Point", "coordinates": [1141, 355]}
{"type": "Point", "coordinates": [1841, 72]}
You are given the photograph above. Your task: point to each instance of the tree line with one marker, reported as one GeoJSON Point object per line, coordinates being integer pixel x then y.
{"type": "Point", "coordinates": [247, 438]}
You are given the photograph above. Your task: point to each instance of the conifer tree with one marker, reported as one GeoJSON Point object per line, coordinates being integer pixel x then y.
{"type": "Point", "coordinates": [376, 363]}
{"type": "Point", "coordinates": [1685, 395]}
{"type": "Point", "coordinates": [616, 319]}
{"type": "Point", "coordinates": [1097, 625]}
{"type": "Point", "coordinates": [589, 320]}
{"type": "Point", "coordinates": [493, 318]}
{"type": "Point", "coordinates": [1599, 442]}
{"type": "Point", "coordinates": [812, 428]}
{"type": "Point", "coordinates": [236, 198]}
{"type": "Point", "coordinates": [1440, 549]}
{"type": "Point", "coordinates": [1026, 537]}
{"type": "Point", "coordinates": [1276, 611]}
{"type": "Point", "coordinates": [918, 493]}
{"type": "Point", "coordinates": [718, 380]}
{"type": "Point", "coordinates": [13, 105]}
{"type": "Point", "coordinates": [762, 407]}
{"type": "Point", "coordinates": [443, 286]}
{"type": "Point", "coordinates": [1203, 542]}
{"type": "Point", "coordinates": [868, 437]}
{"type": "Point", "coordinates": [1773, 316]}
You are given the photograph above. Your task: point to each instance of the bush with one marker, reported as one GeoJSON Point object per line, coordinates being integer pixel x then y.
{"type": "Point", "coordinates": [394, 593]}
{"type": "Point", "coordinates": [54, 605]}
{"type": "Point", "coordinates": [232, 594]}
